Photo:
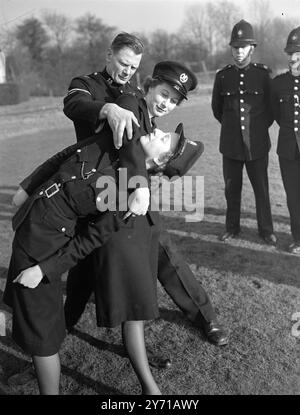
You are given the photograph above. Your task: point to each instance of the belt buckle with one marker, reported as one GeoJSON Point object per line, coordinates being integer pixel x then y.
{"type": "Point", "coordinates": [51, 190]}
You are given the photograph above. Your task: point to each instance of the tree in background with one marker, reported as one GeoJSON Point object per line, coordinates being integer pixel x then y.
{"type": "Point", "coordinates": [46, 53]}
{"type": "Point", "coordinates": [93, 37]}
{"type": "Point", "coordinates": [33, 36]}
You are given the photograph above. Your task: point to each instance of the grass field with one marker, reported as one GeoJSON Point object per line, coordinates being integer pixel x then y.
{"type": "Point", "coordinates": [255, 288]}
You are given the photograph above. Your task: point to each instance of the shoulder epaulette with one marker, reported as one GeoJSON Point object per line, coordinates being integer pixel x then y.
{"type": "Point", "coordinates": [225, 67]}
{"type": "Point", "coordinates": [281, 74]}
{"type": "Point", "coordinates": [262, 66]}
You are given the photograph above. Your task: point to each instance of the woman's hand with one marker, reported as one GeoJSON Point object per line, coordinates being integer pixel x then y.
{"type": "Point", "coordinates": [30, 277]}
{"type": "Point", "coordinates": [19, 197]}
{"type": "Point", "coordinates": [138, 202]}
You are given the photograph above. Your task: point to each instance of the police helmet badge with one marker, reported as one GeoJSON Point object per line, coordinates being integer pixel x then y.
{"type": "Point", "coordinates": [183, 78]}
{"type": "Point", "coordinates": [240, 32]}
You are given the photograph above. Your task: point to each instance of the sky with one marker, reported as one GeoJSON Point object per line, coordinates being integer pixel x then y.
{"type": "Point", "coordinates": [127, 15]}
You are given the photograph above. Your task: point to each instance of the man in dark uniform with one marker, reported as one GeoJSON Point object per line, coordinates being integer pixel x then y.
{"type": "Point", "coordinates": [241, 103]}
{"type": "Point", "coordinates": [90, 100]}
{"type": "Point", "coordinates": [286, 109]}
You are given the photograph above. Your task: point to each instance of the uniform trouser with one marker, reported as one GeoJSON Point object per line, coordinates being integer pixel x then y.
{"type": "Point", "coordinates": [257, 171]}
{"type": "Point", "coordinates": [173, 273]}
{"type": "Point", "coordinates": [290, 173]}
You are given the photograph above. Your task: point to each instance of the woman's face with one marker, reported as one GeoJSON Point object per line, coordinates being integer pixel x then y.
{"type": "Point", "coordinates": [158, 143]}
{"type": "Point", "coordinates": [161, 99]}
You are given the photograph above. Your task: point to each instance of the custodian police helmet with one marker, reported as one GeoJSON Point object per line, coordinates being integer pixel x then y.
{"type": "Point", "coordinates": [293, 41]}
{"type": "Point", "coordinates": [242, 35]}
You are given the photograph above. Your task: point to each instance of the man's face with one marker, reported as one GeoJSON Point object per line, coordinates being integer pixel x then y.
{"type": "Point", "coordinates": [294, 63]}
{"type": "Point", "coordinates": [158, 144]}
{"type": "Point", "coordinates": [242, 55]}
{"type": "Point", "coordinates": [161, 99]}
{"type": "Point", "coordinates": [122, 65]}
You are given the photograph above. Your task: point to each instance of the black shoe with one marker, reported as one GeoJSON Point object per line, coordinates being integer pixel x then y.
{"type": "Point", "coordinates": [215, 333]}
{"type": "Point", "coordinates": [270, 239]}
{"type": "Point", "coordinates": [294, 248]}
{"type": "Point", "coordinates": [157, 361]}
{"type": "Point", "coordinates": [227, 236]}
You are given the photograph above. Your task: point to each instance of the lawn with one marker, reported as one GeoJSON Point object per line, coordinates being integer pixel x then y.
{"type": "Point", "coordinates": [254, 288]}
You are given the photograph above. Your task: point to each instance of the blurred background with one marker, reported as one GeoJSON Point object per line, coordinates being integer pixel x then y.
{"type": "Point", "coordinates": [46, 43]}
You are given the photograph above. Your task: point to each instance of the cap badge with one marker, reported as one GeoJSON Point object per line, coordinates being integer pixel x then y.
{"type": "Point", "coordinates": [183, 78]}
{"type": "Point", "coordinates": [240, 32]}
{"type": "Point", "coordinates": [294, 37]}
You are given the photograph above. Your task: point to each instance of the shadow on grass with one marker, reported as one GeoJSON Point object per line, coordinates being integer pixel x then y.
{"type": "Point", "coordinates": [245, 215]}
{"type": "Point", "coordinates": [242, 258]}
{"type": "Point", "coordinates": [11, 365]}
{"type": "Point", "coordinates": [100, 344]}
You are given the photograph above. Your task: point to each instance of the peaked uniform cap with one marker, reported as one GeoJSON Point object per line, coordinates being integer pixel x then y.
{"type": "Point", "coordinates": [242, 35]}
{"type": "Point", "coordinates": [293, 41]}
{"type": "Point", "coordinates": [181, 78]}
{"type": "Point", "coordinates": [185, 155]}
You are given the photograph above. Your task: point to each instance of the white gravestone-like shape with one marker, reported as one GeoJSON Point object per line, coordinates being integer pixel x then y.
{"type": "Point", "coordinates": [2, 68]}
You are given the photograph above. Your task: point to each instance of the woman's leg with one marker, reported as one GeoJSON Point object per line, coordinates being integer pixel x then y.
{"type": "Point", "coordinates": [134, 341]}
{"type": "Point", "coordinates": [47, 369]}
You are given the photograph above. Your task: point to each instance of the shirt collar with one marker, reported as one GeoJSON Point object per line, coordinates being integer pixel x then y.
{"type": "Point", "coordinates": [109, 79]}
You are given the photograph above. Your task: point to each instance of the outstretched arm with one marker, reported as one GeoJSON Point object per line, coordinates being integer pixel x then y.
{"type": "Point", "coordinates": [91, 236]}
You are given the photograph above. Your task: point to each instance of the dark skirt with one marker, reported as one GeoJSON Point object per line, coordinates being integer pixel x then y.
{"type": "Point", "coordinates": [126, 274]}
{"type": "Point", "coordinates": [38, 325]}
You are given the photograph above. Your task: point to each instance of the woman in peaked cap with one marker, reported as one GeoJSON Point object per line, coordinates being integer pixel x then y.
{"type": "Point", "coordinates": [47, 243]}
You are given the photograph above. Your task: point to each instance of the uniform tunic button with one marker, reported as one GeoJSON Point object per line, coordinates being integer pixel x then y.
{"type": "Point", "coordinates": [296, 121]}
{"type": "Point", "coordinates": [241, 92]}
{"type": "Point", "coordinates": [241, 101]}
{"type": "Point", "coordinates": [63, 229]}
{"type": "Point", "coordinates": [242, 118]}
{"type": "Point", "coordinates": [296, 129]}
{"type": "Point", "coordinates": [241, 83]}
{"type": "Point", "coordinates": [73, 177]}
{"type": "Point", "coordinates": [295, 96]}
{"type": "Point", "coordinates": [295, 88]}
{"type": "Point", "coordinates": [243, 127]}
{"type": "Point", "coordinates": [296, 80]}
{"type": "Point", "coordinates": [242, 75]}
{"type": "Point", "coordinates": [79, 150]}
{"type": "Point", "coordinates": [93, 170]}
{"type": "Point", "coordinates": [41, 193]}
{"type": "Point", "coordinates": [242, 109]}
{"type": "Point", "coordinates": [98, 199]}
{"type": "Point", "coordinates": [296, 113]}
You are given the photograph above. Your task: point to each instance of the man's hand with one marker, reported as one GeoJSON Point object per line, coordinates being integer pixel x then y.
{"type": "Point", "coordinates": [119, 119]}
{"type": "Point", "coordinates": [138, 202]}
{"type": "Point", "coordinates": [19, 197]}
{"type": "Point", "coordinates": [30, 277]}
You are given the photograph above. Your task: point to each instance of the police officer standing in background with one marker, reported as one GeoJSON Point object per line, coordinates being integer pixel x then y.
{"type": "Point", "coordinates": [241, 103]}
{"type": "Point", "coordinates": [90, 100]}
{"type": "Point", "coordinates": [286, 109]}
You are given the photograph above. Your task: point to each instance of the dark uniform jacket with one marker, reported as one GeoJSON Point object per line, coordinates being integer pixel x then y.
{"type": "Point", "coordinates": [87, 95]}
{"type": "Point", "coordinates": [64, 189]}
{"type": "Point", "coordinates": [286, 109]}
{"type": "Point", "coordinates": [241, 103]}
